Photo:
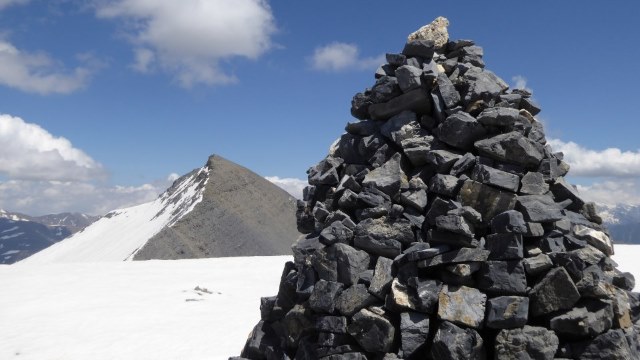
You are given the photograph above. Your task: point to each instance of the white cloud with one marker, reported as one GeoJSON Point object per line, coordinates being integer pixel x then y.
{"type": "Point", "coordinates": [189, 39]}
{"type": "Point", "coordinates": [610, 162]}
{"type": "Point", "coordinates": [48, 197]}
{"type": "Point", "coordinates": [31, 152]}
{"type": "Point", "coordinates": [339, 56]}
{"type": "Point", "coordinates": [520, 82]}
{"type": "Point", "coordinates": [612, 192]}
{"type": "Point", "coordinates": [7, 3]}
{"type": "Point", "coordinates": [291, 185]}
{"type": "Point", "coordinates": [38, 73]}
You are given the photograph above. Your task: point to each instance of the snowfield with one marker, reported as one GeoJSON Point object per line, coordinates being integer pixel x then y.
{"type": "Point", "coordinates": [173, 309]}
{"type": "Point", "coordinates": [155, 310]}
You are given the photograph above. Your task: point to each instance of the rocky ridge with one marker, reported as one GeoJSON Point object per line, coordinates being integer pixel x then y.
{"type": "Point", "coordinates": [440, 226]}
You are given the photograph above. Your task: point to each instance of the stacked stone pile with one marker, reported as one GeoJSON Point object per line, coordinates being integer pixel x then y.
{"type": "Point", "coordinates": [440, 226]}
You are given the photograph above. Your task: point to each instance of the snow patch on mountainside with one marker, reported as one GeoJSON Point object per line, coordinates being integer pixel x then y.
{"type": "Point", "coordinates": [118, 235]}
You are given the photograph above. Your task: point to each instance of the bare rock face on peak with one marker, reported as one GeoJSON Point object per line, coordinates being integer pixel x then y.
{"type": "Point", "coordinates": [441, 227]}
{"type": "Point", "coordinates": [240, 214]}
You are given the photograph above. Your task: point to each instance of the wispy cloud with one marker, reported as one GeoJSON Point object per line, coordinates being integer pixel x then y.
{"type": "Point", "coordinates": [339, 56]}
{"type": "Point", "coordinates": [39, 73]}
{"type": "Point", "coordinates": [7, 3]}
{"type": "Point", "coordinates": [291, 185]}
{"type": "Point", "coordinates": [190, 39]}
{"type": "Point", "coordinates": [520, 82]}
{"type": "Point", "coordinates": [612, 192]}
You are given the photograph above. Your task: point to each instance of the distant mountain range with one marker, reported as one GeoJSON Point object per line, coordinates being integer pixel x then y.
{"type": "Point", "coordinates": [623, 222]}
{"type": "Point", "coordinates": [221, 209]}
{"type": "Point", "coordinates": [22, 235]}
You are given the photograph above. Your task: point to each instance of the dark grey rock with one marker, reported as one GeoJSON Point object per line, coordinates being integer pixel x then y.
{"type": "Point", "coordinates": [372, 197]}
{"type": "Point", "coordinates": [437, 236]}
{"type": "Point", "coordinates": [297, 323]}
{"type": "Point", "coordinates": [416, 199]}
{"type": "Point", "coordinates": [456, 224]}
{"type": "Point", "coordinates": [389, 248]}
{"type": "Point", "coordinates": [354, 298]}
{"type": "Point", "coordinates": [332, 324]}
{"type": "Point", "coordinates": [383, 236]}
{"type": "Point", "coordinates": [360, 106]}
{"type": "Point", "coordinates": [408, 77]}
{"type": "Point", "coordinates": [533, 184]}
{"type": "Point", "coordinates": [587, 319]}
{"type": "Point", "coordinates": [442, 160]}
{"type": "Point", "coordinates": [462, 305]}
{"type": "Point", "coordinates": [500, 116]}
{"type": "Point", "coordinates": [351, 262]}
{"type": "Point", "coordinates": [530, 105]}
{"type": "Point", "coordinates": [460, 130]}
{"type": "Point", "coordinates": [534, 230]}
{"type": "Point", "coordinates": [462, 255]}
{"type": "Point", "coordinates": [396, 59]}
{"type": "Point", "coordinates": [487, 200]}
{"type": "Point", "coordinates": [512, 147]}
{"type": "Point", "coordinates": [325, 263]}
{"type": "Point", "coordinates": [465, 163]}
{"type": "Point", "coordinates": [363, 128]}
{"type": "Point", "coordinates": [625, 281]}
{"type": "Point", "coordinates": [595, 238]}
{"type": "Point", "coordinates": [483, 84]}
{"type": "Point", "coordinates": [385, 89]}
{"type": "Point", "coordinates": [562, 190]}
{"type": "Point", "coordinates": [325, 173]}
{"type": "Point", "coordinates": [403, 127]}
{"type": "Point", "coordinates": [537, 265]}
{"type": "Point", "coordinates": [382, 278]}
{"type": "Point", "coordinates": [556, 291]}
{"type": "Point", "coordinates": [611, 345]}
{"type": "Point", "coordinates": [427, 294]}
{"type": "Point", "coordinates": [445, 185]}
{"type": "Point", "coordinates": [261, 341]}
{"type": "Point", "coordinates": [337, 232]}
{"type": "Point", "coordinates": [416, 100]}
{"type": "Point", "coordinates": [507, 246]}
{"type": "Point", "coordinates": [502, 278]}
{"type": "Point", "coordinates": [507, 312]}
{"type": "Point", "coordinates": [469, 213]}
{"type": "Point", "coordinates": [455, 343]}
{"type": "Point", "coordinates": [324, 296]}
{"type": "Point", "coordinates": [527, 343]}
{"type": "Point", "coordinates": [332, 340]}
{"type": "Point", "coordinates": [373, 332]}
{"type": "Point", "coordinates": [510, 221]}
{"type": "Point", "coordinates": [498, 178]}
{"type": "Point", "coordinates": [539, 208]}
{"type": "Point", "coordinates": [447, 91]}
{"type": "Point", "coordinates": [387, 177]}
{"type": "Point", "coordinates": [414, 331]}
{"type": "Point", "coordinates": [440, 206]}
{"type": "Point", "coordinates": [420, 48]}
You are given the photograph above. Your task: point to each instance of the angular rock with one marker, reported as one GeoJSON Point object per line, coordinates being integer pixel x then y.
{"type": "Point", "coordinates": [324, 296]}
{"type": "Point", "coordinates": [556, 291]}
{"type": "Point", "coordinates": [460, 130]}
{"type": "Point", "coordinates": [486, 200]}
{"type": "Point", "coordinates": [354, 298]}
{"type": "Point", "coordinates": [467, 162]}
{"type": "Point", "coordinates": [374, 333]}
{"type": "Point", "coordinates": [337, 232]}
{"type": "Point", "coordinates": [435, 31]}
{"type": "Point", "coordinates": [510, 221]}
{"type": "Point", "coordinates": [427, 294]}
{"type": "Point", "coordinates": [416, 199]}
{"type": "Point", "coordinates": [537, 265]}
{"type": "Point", "coordinates": [507, 312]}
{"type": "Point", "coordinates": [456, 224]}
{"type": "Point", "coordinates": [442, 160]}
{"type": "Point", "coordinates": [462, 305]}
{"type": "Point", "coordinates": [500, 116]}
{"type": "Point", "coordinates": [527, 343]}
{"type": "Point", "coordinates": [462, 255]}
{"type": "Point", "coordinates": [562, 190]}
{"type": "Point", "coordinates": [445, 185]}
{"type": "Point", "coordinates": [387, 177]}
{"type": "Point", "coordinates": [414, 331]}
{"type": "Point", "coordinates": [382, 278]}
{"type": "Point", "coordinates": [611, 345]}
{"type": "Point", "coordinates": [595, 238]}
{"type": "Point", "coordinates": [383, 236]}
{"type": "Point", "coordinates": [409, 78]}
{"type": "Point", "coordinates": [351, 262]}
{"type": "Point", "coordinates": [416, 100]}
{"type": "Point", "coordinates": [539, 208]}
{"type": "Point", "coordinates": [419, 48]}
{"type": "Point", "coordinates": [297, 323]}
{"type": "Point", "coordinates": [446, 237]}
{"type": "Point", "coordinates": [498, 178]}
{"type": "Point", "coordinates": [454, 343]}
{"type": "Point", "coordinates": [512, 147]}
{"type": "Point", "coordinates": [440, 206]}
{"type": "Point", "coordinates": [502, 278]}
{"type": "Point", "coordinates": [589, 319]}
{"type": "Point", "coordinates": [332, 324]}
{"type": "Point", "coordinates": [483, 84]}
{"type": "Point", "coordinates": [325, 173]}
{"type": "Point", "coordinates": [399, 298]}
{"type": "Point", "coordinates": [506, 246]}
{"type": "Point", "coordinates": [533, 183]}
{"type": "Point", "coordinates": [447, 91]}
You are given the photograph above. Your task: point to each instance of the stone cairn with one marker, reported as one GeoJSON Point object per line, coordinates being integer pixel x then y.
{"type": "Point", "coordinates": [440, 226]}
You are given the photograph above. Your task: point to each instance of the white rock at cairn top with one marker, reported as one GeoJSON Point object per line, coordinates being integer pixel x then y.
{"type": "Point", "coordinates": [436, 31]}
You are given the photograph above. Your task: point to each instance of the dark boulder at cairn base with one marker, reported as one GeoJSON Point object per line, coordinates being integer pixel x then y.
{"type": "Point", "coordinates": [440, 227]}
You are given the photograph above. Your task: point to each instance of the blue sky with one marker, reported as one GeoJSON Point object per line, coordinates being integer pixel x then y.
{"type": "Point", "coordinates": [139, 90]}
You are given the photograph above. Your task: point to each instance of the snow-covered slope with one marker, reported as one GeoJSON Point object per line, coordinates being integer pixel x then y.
{"type": "Point", "coordinates": [118, 235]}
{"type": "Point", "coordinates": [145, 310]}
